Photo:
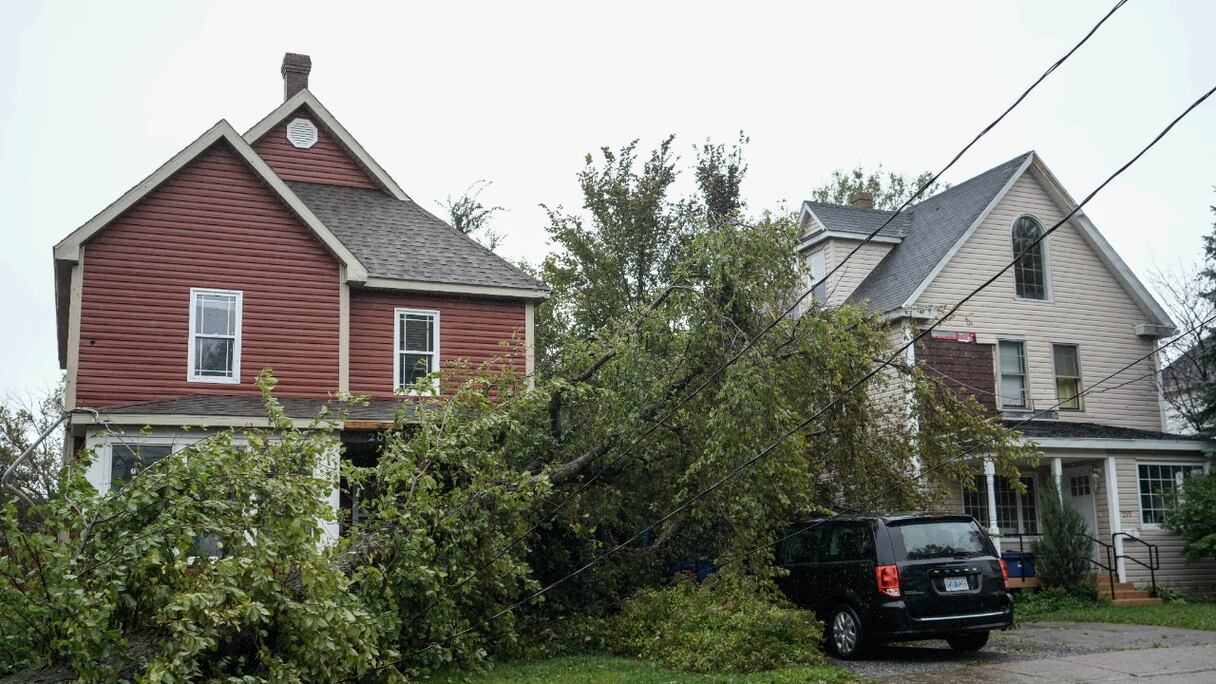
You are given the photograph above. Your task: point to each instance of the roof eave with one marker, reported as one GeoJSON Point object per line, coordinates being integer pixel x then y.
{"type": "Point", "coordinates": [401, 284]}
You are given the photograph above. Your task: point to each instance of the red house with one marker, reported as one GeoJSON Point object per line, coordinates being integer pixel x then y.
{"type": "Point", "coordinates": [286, 248]}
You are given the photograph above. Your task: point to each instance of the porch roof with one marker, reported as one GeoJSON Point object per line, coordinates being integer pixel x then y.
{"type": "Point", "coordinates": [1080, 435]}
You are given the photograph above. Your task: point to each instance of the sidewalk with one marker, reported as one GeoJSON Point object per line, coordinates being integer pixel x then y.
{"type": "Point", "coordinates": [1190, 664]}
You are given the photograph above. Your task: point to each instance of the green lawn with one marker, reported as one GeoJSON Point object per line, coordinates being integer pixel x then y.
{"type": "Point", "coordinates": [1188, 615]}
{"type": "Point", "coordinates": [607, 669]}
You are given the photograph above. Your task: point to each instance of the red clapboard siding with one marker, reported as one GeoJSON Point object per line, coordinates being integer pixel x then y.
{"type": "Point", "coordinates": [325, 162]}
{"type": "Point", "coordinates": [213, 224]}
{"type": "Point", "coordinates": [478, 330]}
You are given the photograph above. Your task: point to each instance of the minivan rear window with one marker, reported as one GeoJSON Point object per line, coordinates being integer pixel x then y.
{"type": "Point", "coordinates": [940, 539]}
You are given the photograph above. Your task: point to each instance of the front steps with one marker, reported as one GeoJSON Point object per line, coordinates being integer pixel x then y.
{"type": "Point", "coordinates": [1126, 594]}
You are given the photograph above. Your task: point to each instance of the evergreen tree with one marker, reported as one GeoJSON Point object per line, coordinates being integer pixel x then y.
{"type": "Point", "coordinates": [1062, 555]}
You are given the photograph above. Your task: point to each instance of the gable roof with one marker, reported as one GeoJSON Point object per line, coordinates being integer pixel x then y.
{"type": "Point", "coordinates": [306, 99]}
{"type": "Point", "coordinates": [936, 228]}
{"type": "Point", "coordinates": [399, 240]}
{"type": "Point", "coordinates": [931, 230]}
{"type": "Point", "coordinates": [841, 218]}
{"type": "Point", "coordinates": [68, 249]}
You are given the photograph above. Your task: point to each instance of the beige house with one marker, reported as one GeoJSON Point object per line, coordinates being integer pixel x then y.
{"type": "Point", "coordinates": [1067, 316]}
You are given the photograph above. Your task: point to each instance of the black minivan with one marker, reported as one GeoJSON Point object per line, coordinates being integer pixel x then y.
{"type": "Point", "coordinates": [898, 577]}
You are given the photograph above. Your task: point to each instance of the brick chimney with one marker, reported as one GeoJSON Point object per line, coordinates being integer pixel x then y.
{"type": "Point", "coordinates": [295, 73]}
{"type": "Point", "coordinates": [860, 199]}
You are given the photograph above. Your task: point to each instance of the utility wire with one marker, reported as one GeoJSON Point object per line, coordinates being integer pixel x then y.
{"type": "Point", "coordinates": [815, 416]}
{"type": "Point", "coordinates": [784, 314]}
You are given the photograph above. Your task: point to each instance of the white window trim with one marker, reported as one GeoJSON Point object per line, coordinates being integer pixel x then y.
{"type": "Point", "coordinates": [1206, 467]}
{"type": "Point", "coordinates": [1038, 515]}
{"type": "Point", "coordinates": [1027, 404]}
{"type": "Point", "coordinates": [397, 351]}
{"type": "Point", "coordinates": [811, 278]}
{"type": "Point", "coordinates": [1044, 243]}
{"type": "Point", "coordinates": [236, 351]}
{"type": "Point", "coordinates": [1055, 377]}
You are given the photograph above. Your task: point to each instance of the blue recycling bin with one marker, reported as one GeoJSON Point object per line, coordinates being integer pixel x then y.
{"type": "Point", "coordinates": [1019, 563]}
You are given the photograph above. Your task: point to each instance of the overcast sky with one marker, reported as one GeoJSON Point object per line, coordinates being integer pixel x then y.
{"type": "Point", "coordinates": [95, 95]}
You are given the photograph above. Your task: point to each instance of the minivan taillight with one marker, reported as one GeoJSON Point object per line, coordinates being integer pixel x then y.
{"type": "Point", "coordinates": [888, 580]}
{"type": "Point", "coordinates": [1004, 571]}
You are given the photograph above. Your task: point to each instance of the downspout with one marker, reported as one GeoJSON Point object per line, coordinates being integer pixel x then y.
{"type": "Point", "coordinates": [30, 449]}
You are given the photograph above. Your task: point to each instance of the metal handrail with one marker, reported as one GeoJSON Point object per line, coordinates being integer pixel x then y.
{"type": "Point", "coordinates": [1154, 556]}
{"type": "Point", "coordinates": [1111, 556]}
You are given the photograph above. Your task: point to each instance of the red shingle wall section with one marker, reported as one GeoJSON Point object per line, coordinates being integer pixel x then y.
{"type": "Point", "coordinates": [479, 330]}
{"type": "Point", "coordinates": [325, 162]}
{"type": "Point", "coordinates": [214, 224]}
{"type": "Point", "coordinates": [965, 367]}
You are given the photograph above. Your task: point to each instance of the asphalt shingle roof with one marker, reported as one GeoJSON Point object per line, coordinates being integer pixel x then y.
{"type": "Point", "coordinates": [928, 231]}
{"type": "Point", "coordinates": [399, 239]}
{"type": "Point", "coordinates": [379, 410]}
{"type": "Point", "coordinates": [1068, 429]}
{"type": "Point", "coordinates": [849, 219]}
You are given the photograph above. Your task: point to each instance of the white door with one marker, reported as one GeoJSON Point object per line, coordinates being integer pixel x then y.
{"type": "Point", "coordinates": [1077, 485]}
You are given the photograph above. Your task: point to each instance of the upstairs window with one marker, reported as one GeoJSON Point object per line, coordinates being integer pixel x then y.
{"type": "Point", "coordinates": [1029, 269]}
{"type": "Point", "coordinates": [818, 267]}
{"type": "Point", "coordinates": [1012, 361]}
{"type": "Point", "coordinates": [215, 336]}
{"type": "Point", "coordinates": [1068, 376]}
{"type": "Point", "coordinates": [417, 346]}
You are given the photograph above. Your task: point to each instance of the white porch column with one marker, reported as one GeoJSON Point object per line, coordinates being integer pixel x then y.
{"type": "Point", "coordinates": [328, 468]}
{"type": "Point", "coordinates": [1057, 474]}
{"type": "Point", "coordinates": [994, 530]}
{"type": "Point", "coordinates": [1116, 515]}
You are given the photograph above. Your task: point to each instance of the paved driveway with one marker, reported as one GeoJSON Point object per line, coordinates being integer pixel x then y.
{"type": "Point", "coordinates": [1053, 652]}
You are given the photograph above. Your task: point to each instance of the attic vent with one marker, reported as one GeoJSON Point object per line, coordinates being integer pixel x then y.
{"type": "Point", "coordinates": [302, 133]}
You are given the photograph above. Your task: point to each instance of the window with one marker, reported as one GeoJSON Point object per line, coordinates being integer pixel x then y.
{"type": "Point", "coordinates": [1029, 269]}
{"type": "Point", "coordinates": [417, 346]}
{"type": "Point", "coordinates": [127, 461]}
{"type": "Point", "coordinates": [1068, 376]}
{"type": "Point", "coordinates": [1015, 513]}
{"type": "Point", "coordinates": [1159, 483]}
{"type": "Point", "coordinates": [1013, 373]}
{"type": "Point", "coordinates": [803, 545]}
{"type": "Point", "coordinates": [848, 542]}
{"type": "Point", "coordinates": [215, 336]}
{"type": "Point", "coordinates": [819, 267]}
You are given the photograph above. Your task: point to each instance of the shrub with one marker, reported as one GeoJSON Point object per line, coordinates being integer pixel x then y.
{"type": "Point", "coordinates": [727, 624]}
{"type": "Point", "coordinates": [1194, 516]}
{"type": "Point", "coordinates": [1033, 604]}
{"type": "Point", "coordinates": [1062, 555]}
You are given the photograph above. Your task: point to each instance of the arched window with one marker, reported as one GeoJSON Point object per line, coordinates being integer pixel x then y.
{"type": "Point", "coordinates": [1030, 271]}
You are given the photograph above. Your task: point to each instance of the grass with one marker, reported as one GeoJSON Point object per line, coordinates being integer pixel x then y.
{"type": "Point", "coordinates": [1184, 615]}
{"type": "Point", "coordinates": [608, 669]}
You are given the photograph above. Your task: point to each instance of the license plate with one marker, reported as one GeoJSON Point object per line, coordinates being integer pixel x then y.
{"type": "Point", "coordinates": [956, 584]}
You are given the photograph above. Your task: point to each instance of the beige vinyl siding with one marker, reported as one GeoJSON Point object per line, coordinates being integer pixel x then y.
{"type": "Point", "coordinates": [1175, 570]}
{"type": "Point", "coordinates": [1086, 307]}
{"type": "Point", "coordinates": [843, 282]}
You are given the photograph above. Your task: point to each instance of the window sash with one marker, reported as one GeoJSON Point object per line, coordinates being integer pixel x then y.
{"type": "Point", "coordinates": [1029, 270]}
{"type": "Point", "coordinates": [1015, 513]}
{"type": "Point", "coordinates": [818, 268]}
{"type": "Point", "coordinates": [417, 346]}
{"type": "Point", "coordinates": [215, 336]}
{"type": "Point", "coordinates": [1158, 482]}
{"type": "Point", "coordinates": [1012, 362]}
{"type": "Point", "coordinates": [1067, 361]}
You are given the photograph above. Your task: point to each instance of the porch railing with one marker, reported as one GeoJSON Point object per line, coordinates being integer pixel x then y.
{"type": "Point", "coordinates": [1109, 549]}
{"type": "Point", "coordinates": [1154, 556]}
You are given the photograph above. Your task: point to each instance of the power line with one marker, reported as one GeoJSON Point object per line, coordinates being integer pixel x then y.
{"type": "Point", "coordinates": [784, 314]}
{"type": "Point", "coordinates": [807, 421]}
{"type": "Point", "coordinates": [1089, 389]}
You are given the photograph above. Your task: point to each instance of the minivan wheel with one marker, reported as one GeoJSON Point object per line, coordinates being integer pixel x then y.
{"type": "Point", "coordinates": [845, 637]}
{"type": "Point", "coordinates": [969, 641]}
